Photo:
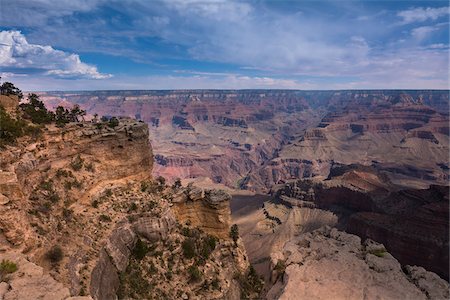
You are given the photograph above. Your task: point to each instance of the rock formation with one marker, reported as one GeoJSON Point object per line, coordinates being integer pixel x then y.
{"type": "Point", "coordinates": [78, 200]}
{"type": "Point", "coordinates": [255, 139]}
{"type": "Point", "coordinates": [412, 224]}
{"type": "Point", "coordinates": [208, 210]}
{"type": "Point", "coordinates": [330, 264]}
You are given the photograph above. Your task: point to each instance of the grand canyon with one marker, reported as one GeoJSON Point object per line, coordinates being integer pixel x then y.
{"type": "Point", "coordinates": [224, 149]}
{"type": "Point", "coordinates": [313, 180]}
{"type": "Point", "coordinates": [353, 160]}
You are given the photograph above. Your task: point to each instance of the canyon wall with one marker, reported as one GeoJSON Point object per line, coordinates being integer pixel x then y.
{"type": "Point", "coordinates": [412, 224]}
{"type": "Point", "coordinates": [252, 139]}
{"type": "Point", "coordinates": [76, 202]}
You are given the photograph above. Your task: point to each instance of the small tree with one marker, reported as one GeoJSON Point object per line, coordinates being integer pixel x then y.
{"type": "Point", "coordinates": [76, 112]}
{"type": "Point", "coordinates": [62, 116]}
{"type": "Point", "coordinates": [36, 111]}
{"type": "Point", "coordinates": [234, 233]}
{"type": "Point", "coordinates": [7, 88]}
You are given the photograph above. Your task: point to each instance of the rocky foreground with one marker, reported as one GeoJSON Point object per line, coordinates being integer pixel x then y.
{"type": "Point", "coordinates": [331, 264]}
{"type": "Point", "coordinates": [81, 216]}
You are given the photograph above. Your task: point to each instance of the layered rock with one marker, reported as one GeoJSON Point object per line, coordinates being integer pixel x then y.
{"type": "Point", "coordinates": [254, 139]}
{"type": "Point", "coordinates": [328, 263]}
{"type": "Point", "coordinates": [208, 210]}
{"type": "Point", "coordinates": [412, 224]}
{"type": "Point", "coordinates": [102, 154]}
{"type": "Point", "coordinates": [114, 257]}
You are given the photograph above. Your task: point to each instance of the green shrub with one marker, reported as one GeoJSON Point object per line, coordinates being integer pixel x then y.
{"type": "Point", "coordinates": [208, 246]}
{"type": "Point", "coordinates": [378, 252]}
{"type": "Point", "coordinates": [194, 273]}
{"type": "Point", "coordinates": [95, 203]}
{"type": "Point", "coordinates": [215, 283]}
{"type": "Point", "coordinates": [7, 267]}
{"type": "Point", "coordinates": [250, 283]}
{"type": "Point", "coordinates": [176, 184]}
{"type": "Point", "coordinates": [189, 249]}
{"type": "Point", "coordinates": [10, 128]}
{"type": "Point", "coordinates": [8, 88]}
{"type": "Point", "coordinates": [63, 173]}
{"type": "Point", "coordinates": [113, 122]}
{"type": "Point", "coordinates": [140, 249]}
{"type": "Point", "coordinates": [46, 185]}
{"type": "Point", "coordinates": [55, 254]}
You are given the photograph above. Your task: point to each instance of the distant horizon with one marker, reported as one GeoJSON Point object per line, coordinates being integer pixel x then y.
{"type": "Point", "coordinates": [206, 89]}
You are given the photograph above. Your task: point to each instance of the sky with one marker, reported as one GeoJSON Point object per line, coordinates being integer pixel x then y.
{"type": "Point", "coordinates": [224, 44]}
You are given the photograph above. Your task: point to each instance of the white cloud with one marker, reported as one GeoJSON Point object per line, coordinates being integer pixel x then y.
{"type": "Point", "coordinates": [17, 54]}
{"type": "Point", "coordinates": [212, 9]}
{"type": "Point", "coordinates": [421, 14]}
{"type": "Point", "coordinates": [422, 32]}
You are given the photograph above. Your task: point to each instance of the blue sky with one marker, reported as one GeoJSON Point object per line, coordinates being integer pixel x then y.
{"type": "Point", "coordinates": [189, 44]}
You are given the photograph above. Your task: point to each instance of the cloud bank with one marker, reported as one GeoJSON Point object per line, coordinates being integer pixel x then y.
{"type": "Point", "coordinates": [17, 55]}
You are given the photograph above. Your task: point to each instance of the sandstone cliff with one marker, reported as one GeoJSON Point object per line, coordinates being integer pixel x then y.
{"type": "Point", "coordinates": [79, 206]}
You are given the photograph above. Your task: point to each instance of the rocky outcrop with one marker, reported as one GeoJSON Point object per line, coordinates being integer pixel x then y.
{"type": "Point", "coordinates": [30, 281]}
{"type": "Point", "coordinates": [412, 224]}
{"type": "Point", "coordinates": [103, 154]}
{"type": "Point", "coordinates": [208, 210]}
{"type": "Point", "coordinates": [114, 258]}
{"type": "Point", "coordinates": [330, 264]}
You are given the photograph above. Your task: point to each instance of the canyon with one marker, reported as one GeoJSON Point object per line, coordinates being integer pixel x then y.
{"type": "Point", "coordinates": [253, 139]}
{"type": "Point", "coordinates": [350, 181]}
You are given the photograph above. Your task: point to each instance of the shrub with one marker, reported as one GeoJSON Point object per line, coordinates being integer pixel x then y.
{"type": "Point", "coordinates": [90, 167]}
{"type": "Point", "coordinates": [95, 203]}
{"type": "Point", "coordinates": [215, 283]}
{"type": "Point", "coordinates": [8, 88]}
{"type": "Point", "coordinates": [176, 184]}
{"type": "Point", "coordinates": [113, 122]}
{"type": "Point", "coordinates": [140, 249]}
{"type": "Point", "coordinates": [10, 128]}
{"type": "Point", "coordinates": [63, 173]}
{"type": "Point", "coordinates": [194, 273]}
{"type": "Point", "coordinates": [133, 207]}
{"type": "Point", "coordinates": [46, 185]}
{"type": "Point", "coordinates": [208, 246]}
{"type": "Point", "coordinates": [188, 247]}
{"type": "Point", "coordinates": [378, 252]}
{"type": "Point", "coordinates": [280, 267]}
{"type": "Point", "coordinates": [250, 283]}
{"type": "Point", "coordinates": [161, 181]}
{"type": "Point", "coordinates": [77, 163]}
{"type": "Point", "coordinates": [144, 186]}
{"type": "Point", "coordinates": [104, 218]}
{"type": "Point", "coordinates": [55, 254]}
{"type": "Point", "coordinates": [7, 267]}
{"type": "Point", "coordinates": [234, 233]}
